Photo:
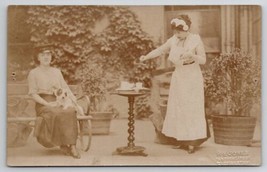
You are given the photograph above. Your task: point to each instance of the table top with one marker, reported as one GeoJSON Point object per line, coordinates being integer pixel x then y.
{"type": "Point", "coordinates": [131, 92]}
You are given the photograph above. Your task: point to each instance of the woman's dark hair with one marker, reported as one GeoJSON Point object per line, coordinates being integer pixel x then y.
{"type": "Point", "coordinates": [40, 48]}
{"type": "Point", "coordinates": [185, 18]}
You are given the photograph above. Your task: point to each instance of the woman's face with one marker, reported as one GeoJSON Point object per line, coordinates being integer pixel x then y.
{"type": "Point", "coordinates": [180, 34]}
{"type": "Point", "coordinates": [45, 57]}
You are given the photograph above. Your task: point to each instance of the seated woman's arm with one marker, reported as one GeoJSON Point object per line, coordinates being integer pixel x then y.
{"type": "Point", "coordinates": [33, 92]}
{"type": "Point", "coordinates": [39, 99]}
{"type": "Point", "coordinates": [65, 86]}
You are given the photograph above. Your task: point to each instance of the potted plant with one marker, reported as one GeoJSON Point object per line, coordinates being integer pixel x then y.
{"type": "Point", "coordinates": [94, 84]}
{"type": "Point", "coordinates": [233, 85]}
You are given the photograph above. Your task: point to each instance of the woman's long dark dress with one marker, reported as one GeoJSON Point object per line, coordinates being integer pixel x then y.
{"type": "Point", "coordinates": [54, 126]}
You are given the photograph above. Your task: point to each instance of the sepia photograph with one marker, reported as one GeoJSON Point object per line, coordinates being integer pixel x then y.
{"type": "Point", "coordinates": [134, 85]}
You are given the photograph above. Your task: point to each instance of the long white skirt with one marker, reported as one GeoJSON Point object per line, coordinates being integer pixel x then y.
{"type": "Point", "coordinates": [185, 117]}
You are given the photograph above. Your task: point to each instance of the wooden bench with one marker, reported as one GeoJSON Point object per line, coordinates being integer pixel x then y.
{"type": "Point", "coordinates": [19, 92]}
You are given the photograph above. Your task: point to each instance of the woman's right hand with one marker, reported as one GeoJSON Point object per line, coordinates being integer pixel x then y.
{"type": "Point", "coordinates": [142, 58]}
{"type": "Point", "coordinates": [52, 104]}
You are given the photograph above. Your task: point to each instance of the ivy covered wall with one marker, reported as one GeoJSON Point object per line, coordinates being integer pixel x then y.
{"type": "Point", "coordinates": [108, 35]}
{"type": "Point", "coordinates": [106, 41]}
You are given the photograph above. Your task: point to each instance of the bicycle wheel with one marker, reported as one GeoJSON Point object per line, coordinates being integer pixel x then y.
{"type": "Point", "coordinates": [85, 134]}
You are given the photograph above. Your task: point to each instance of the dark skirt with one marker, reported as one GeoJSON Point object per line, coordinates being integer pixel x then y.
{"type": "Point", "coordinates": [55, 126]}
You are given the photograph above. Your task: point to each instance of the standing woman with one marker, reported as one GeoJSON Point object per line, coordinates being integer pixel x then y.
{"type": "Point", "coordinates": [185, 118]}
{"type": "Point", "coordinates": [57, 127]}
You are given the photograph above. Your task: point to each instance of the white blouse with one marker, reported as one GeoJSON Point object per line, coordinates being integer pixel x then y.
{"type": "Point", "coordinates": [46, 81]}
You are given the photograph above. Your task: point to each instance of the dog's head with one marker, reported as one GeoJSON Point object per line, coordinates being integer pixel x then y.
{"type": "Point", "coordinates": [61, 94]}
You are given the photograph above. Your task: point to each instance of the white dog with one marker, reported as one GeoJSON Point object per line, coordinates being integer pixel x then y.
{"type": "Point", "coordinates": [65, 101]}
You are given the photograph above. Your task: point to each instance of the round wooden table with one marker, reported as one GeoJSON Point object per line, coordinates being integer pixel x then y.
{"type": "Point", "coordinates": [131, 148]}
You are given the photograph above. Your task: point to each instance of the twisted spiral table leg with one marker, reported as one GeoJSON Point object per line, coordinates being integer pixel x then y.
{"type": "Point", "coordinates": [131, 149]}
{"type": "Point", "coordinates": [131, 122]}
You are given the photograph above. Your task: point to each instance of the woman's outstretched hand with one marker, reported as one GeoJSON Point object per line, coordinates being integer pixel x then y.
{"type": "Point", "coordinates": [142, 58]}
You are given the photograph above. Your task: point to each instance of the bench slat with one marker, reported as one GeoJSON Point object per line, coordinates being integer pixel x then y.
{"type": "Point", "coordinates": [22, 89]}
{"type": "Point", "coordinates": [79, 117]}
{"type": "Point", "coordinates": [21, 119]}
{"type": "Point", "coordinates": [29, 119]}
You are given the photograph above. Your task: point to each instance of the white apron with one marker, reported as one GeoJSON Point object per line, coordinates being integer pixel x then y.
{"type": "Point", "coordinates": [185, 117]}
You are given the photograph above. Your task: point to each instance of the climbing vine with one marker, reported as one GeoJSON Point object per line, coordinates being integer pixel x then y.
{"type": "Point", "coordinates": [82, 51]}
{"type": "Point", "coordinates": [115, 49]}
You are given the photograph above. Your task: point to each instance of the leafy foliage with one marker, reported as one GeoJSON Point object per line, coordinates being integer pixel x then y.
{"type": "Point", "coordinates": [114, 50]}
{"type": "Point", "coordinates": [234, 78]}
{"type": "Point", "coordinates": [93, 83]}
{"type": "Point", "coordinates": [69, 29]}
{"type": "Point", "coordinates": [122, 43]}
{"type": "Point", "coordinates": [143, 109]}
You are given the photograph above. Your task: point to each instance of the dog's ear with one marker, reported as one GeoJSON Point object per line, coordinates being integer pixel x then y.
{"type": "Point", "coordinates": [58, 92]}
{"type": "Point", "coordinates": [55, 92]}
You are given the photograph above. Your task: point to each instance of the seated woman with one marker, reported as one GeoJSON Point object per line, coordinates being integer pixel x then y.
{"type": "Point", "coordinates": [58, 126]}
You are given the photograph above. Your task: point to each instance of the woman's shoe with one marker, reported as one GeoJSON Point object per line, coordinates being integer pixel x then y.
{"type": "Point", "coordinates": [191, 149]}
{"type": "Point", "coordinates": [74, 153]}
{"type": "Point", "coordinates": [65, 149]}
{"type": "Point", "coordinates": [184, 147]}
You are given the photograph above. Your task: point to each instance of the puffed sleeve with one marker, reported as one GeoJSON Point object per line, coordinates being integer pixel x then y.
{"type": "Point", "coordinates": [33, 89]}
{"type": "Point", "coordinates": [200, 52]}
{"type": "Point", "coordinates": [163, 49]}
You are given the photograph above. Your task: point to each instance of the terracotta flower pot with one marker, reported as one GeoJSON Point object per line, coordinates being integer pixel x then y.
{"type": "Point", "coordinates": [163, 107]}
{"type": "Point", "coordinates": [101, 122]}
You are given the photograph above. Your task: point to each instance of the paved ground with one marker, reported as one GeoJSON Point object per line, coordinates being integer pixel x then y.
{"type": "Point", "coordinates": [103, 146]}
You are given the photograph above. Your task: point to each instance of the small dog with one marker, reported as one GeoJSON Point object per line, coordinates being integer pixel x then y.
{"type": "Point", "coordinates": [64, 100]}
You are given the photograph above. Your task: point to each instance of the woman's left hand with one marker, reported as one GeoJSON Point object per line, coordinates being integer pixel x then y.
{"type": "Point", "coordinates": [187, 56]}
